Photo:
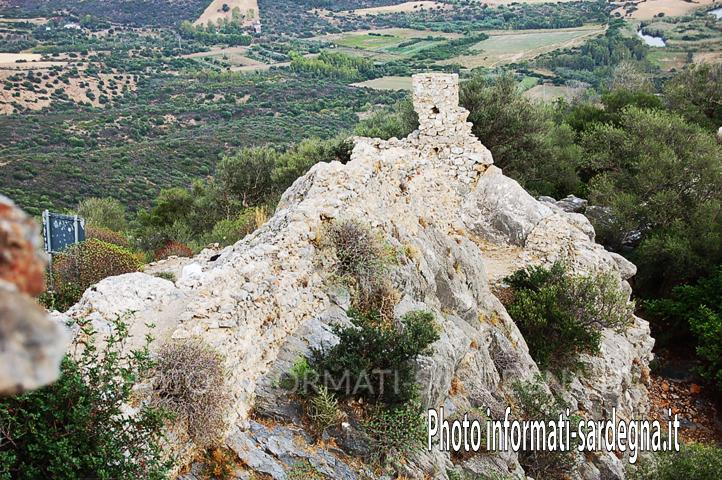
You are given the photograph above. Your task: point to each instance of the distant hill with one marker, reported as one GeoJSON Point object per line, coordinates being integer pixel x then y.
{"type": "Point", "coordinates": [135, 12]}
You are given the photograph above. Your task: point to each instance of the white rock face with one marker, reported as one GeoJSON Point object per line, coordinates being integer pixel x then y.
{"type": "Point", "coordinates": [265, 300]}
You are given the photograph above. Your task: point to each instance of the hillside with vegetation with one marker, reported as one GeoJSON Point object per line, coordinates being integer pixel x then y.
{"type": "Point", "coordinates": [174, 137]}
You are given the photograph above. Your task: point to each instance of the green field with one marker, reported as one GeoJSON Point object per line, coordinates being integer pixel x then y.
{"type": "Point", "coordinates": [387, 44]}
{"type": "Point", "coordinates": [387, 83]}
{"type": "Point", "coordinates": [369, 42]}
{"type": "Point", "coordinates": [504, 47]}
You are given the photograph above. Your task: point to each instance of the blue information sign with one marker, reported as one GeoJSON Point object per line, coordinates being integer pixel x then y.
{"type": "Point", "coordinates": [61, 231]}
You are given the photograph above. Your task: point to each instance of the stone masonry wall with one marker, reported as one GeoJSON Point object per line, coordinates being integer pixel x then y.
{"type": "Point", "coordinates": [444, 137]}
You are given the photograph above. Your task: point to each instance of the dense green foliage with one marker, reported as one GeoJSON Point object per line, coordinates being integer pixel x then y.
{"type": "Point", "coordinates": [696, 93]}
{"type": "Point", "coordinates": [374, 358]}
{"type": "Point", "coordinates": [296, 18]}
{"type": "Point", "coordinates": [522, 137]}
{"type": "Point", "coordinates": [226, 207]}
{"type": "Point", "coordinates": [334, 65]}
{"type": "Point", "coordinates": [227, 33]}
{"type": "Point", "coordinates": [395, 430]}
{"type": "Point", "coordinates": [167, 133]}
{"type": "Point", "coordinates": [692, 462]}
{"type": "Point", "coordinates": [695, 310]}
{"type": "Point", "coordinates": [451, 48]}
{"type": "Point", "coordinates": [78, 426]}
{"type": "Point", "coordinates": [103, 212]}
{"type": "Point", "coordinates": [661, 176]}
{"type": "Point", "coordinates": [594, 61]}
{"type": "Point", "coordinates": [561, 316]}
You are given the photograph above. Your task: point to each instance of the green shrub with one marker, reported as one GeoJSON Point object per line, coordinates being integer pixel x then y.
{"type": "Point", "coordinates": [247, 174]}
{"type": "Point", "coordinates": [103, 212]}
{"type": "Point", "coordinates": [227, 232]}
{"type": "Point", "coordinates": [400, 428]}
{"type": "Point", "coordinates": [561, 315]}
{"type": "Point", "coordinates": [106, 235]}
{"type": "Point", "coordinates": [692, 462]}
{"type": "Point", "coordinates": [399, 122]}
{"type": "Point", "coordinates": [85, 264]}
{"type": "Point", "coordinates": [305, 471]}
{"type": "Point", "coordinates": [300, 379]}
{"type": "Point", "coordinates": [301, 157]}
{"type": "Point", "coordinates": [374, 359]}
{"type": "Point", "coordinates": [190, 382]}
{"type": "Point", "coordinates": [532, 402]}
{"type": "Point", "coordinates": [78, 426]}
{"type": "Point", "coordinates": [323, 409]}
{"type": "Point", "coordinates": [696, 309]}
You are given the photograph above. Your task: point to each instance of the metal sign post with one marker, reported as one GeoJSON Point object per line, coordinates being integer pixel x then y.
{"type": "Point", "coordinates": [61, 231]}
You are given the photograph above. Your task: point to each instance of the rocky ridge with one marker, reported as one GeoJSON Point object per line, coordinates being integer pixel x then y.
{"type": "Point", "coordinates": [463, 226]}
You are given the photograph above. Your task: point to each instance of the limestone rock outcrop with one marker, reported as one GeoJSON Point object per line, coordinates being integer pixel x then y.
{"type": "Point", "coordinates": [464, 225]}
{"type": "Point", "coordinates": [31, 345]}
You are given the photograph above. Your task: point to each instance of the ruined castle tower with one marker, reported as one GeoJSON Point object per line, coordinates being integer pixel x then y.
{"type": "Point", "coordinates": [436, 101]}
{"type": "Point", "coordinates": [444, 139]}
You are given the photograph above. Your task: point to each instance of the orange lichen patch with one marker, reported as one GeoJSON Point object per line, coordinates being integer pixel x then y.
{"type": "Point", "coordinates": [22, 262]}
{"type": "Point", "coordinates": [456, 386]}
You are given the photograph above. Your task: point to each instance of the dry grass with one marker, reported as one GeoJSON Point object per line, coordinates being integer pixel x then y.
{"type": "Point", "coordinates": [214, 11]}
{"type": "Point", "coordinates": [387, 83]}
{"type": "Point", "coordinates": [190, 382]}
{"type": "Point", "coordinates": [76, 89]}
{"type": "Point", "coordinates": [361, 261]}
{"type": "Point", "coordinates": [34, 21]}
{"type": "Point", "coordinates": [12, 58]}
{"type": "Point", "coordinates": [399, 8]}
{"type": "Point", "coordinates": [507, 46]}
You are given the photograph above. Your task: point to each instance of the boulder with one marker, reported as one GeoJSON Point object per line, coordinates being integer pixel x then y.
{"type": "Point", "coordinates": [31, 345]}
{"type": "Point", "coordinates": [22, 261]}
{"type": "Point", "coordinates": [501, 211]}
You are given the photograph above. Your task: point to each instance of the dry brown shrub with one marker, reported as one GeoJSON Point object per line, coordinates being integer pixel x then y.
{"type": "Point", "coordinates": [362, 262]}
{"type": "Point", "coordinates": [190, 382]}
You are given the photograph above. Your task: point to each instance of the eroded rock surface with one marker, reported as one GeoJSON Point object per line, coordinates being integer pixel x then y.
{"type": "Point", "coordinates": [31, 345]}
{"type": "Point", "coordinates": [463, 225]}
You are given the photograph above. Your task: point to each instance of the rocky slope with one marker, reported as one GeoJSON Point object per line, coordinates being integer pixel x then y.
{"type": "Point", "coordinates": [463, 225]}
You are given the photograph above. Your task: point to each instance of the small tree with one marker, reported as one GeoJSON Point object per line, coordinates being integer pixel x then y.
{"type": "Point", "coordinates": [104, 212]}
